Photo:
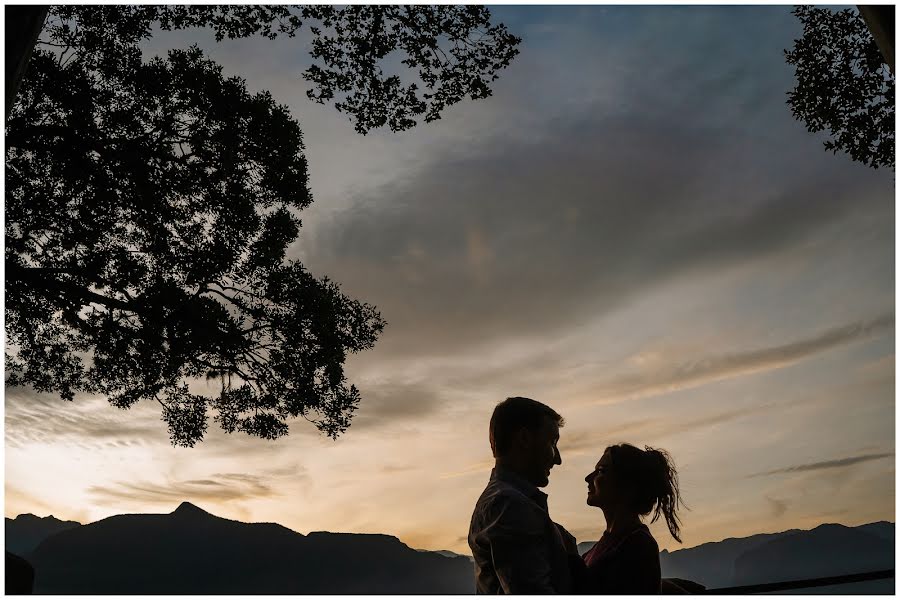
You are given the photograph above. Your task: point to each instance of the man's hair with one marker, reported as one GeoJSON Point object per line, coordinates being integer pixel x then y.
{"type": "Point", "coordinates": [513, 414]}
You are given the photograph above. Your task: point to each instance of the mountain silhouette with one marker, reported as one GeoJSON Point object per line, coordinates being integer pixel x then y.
{"type": "Point", "coordinates": [829, 549]}
{"type": "Point", "coordinates": [190, 551]}
{"type": "Point", "coordinates": [882, 529]}
{"type": "Point", "coordinates": [450, 554]}
{"type": "Point", "coordinates": [712, 563]}
{"type": "Point", "coordinates": [584, 547]}
{"type": "Point", "coordinates": [25, 532]}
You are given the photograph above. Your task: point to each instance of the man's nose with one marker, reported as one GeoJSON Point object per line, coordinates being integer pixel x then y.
{"type": "Point", "coordinates": [587, 478]}
{"type": "Point", "coordinates": [557, 457]}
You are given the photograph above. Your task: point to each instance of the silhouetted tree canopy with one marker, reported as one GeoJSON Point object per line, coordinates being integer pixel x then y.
{"type": "Point", "coordinates": [149, 206]}
{"type": "Point", "coordinates": [843, 85]}
{"type": "Point", "coordinates": [453, 52]}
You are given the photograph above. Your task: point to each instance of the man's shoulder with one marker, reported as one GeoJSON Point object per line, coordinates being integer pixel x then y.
{"type": "Point", "coordinates": [504, 503]}
{"type": "Point", "coordinates": [499, 493]}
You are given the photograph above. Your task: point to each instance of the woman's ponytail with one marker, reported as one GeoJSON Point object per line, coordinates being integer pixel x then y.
{"type": "Point", "coordinates": [668, 497]}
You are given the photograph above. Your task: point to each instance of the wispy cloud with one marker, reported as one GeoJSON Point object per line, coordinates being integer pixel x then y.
{"type": "Point", "coordinates": [684, 375]}
{"type": "Point", "coordinates": [389, 402]}
{"type": "Point", "coordinates": [218, 487]}
{"type": "Point", "coordinates": [92, 423]}
{"type": "Point", "coordinates": [32, 417]}
{"type": "Point", "coordinates": [828, 464]}
{"type": "Point", "coordinates": [579, 442]}
{"type": "Point", "coordinates": [621, 178]}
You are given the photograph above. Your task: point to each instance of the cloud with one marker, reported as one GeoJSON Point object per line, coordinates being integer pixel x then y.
{"type": "Point", "coordinates": [583, 441]}
{"type": "Point", "coordinates": [668, 378]}
{"type": "Point", "coordinates": [386, 403]}
{"type": "Point", "coordinates": [92, 423]}
{"type": "Point", "coordinates": [522, 240]}
{"type": "Point", "coordinates": [218, 487]}
{"type": "Point", "coordinates": [32, 417]}
{"type": "Point", "coordinates": [828, 464]}
{"type": "Point", "coordinates": [563, 207]}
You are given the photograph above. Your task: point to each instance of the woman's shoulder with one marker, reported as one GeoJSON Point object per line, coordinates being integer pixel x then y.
{"type": "Point", "coordinates": [640, 540]}
{"type": "Point", "coordinates": [630, 566]}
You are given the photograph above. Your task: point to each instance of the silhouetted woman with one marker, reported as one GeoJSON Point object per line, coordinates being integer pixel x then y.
{"type": "Point", "coordinates": [626, 484]}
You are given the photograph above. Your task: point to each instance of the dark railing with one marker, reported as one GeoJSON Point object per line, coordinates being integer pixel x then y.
{"type": "Point", "coordinates": [802, 583]}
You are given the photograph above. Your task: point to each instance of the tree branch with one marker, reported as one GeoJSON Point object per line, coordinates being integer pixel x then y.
{"type": "Point", "coordinates": [36, 277]}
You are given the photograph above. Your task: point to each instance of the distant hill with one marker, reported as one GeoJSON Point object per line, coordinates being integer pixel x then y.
{"type": "Point", "coordinates": [712, 564]}
{"type": "Point", "coordinates": [449, 554]}
{"type": "Point", "coordinates": [193, 552]}
{"type": "Point", "coordinates": [827, 550]}
{"type": "Point", "coordinates": [882, 529]}
{"type": "Point", "coordinates": [788, 555]}
{"type": "Point", "coordinates": [584, 547]}
{"type": "Point", "coordinates": [25, 532]}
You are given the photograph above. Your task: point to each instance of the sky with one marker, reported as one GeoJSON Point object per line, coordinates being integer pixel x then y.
{"type": "Point", "coordinates": [633, 229]}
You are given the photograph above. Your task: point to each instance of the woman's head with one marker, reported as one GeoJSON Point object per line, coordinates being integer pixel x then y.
{"type": "Point", "coordinates": [628, 478]}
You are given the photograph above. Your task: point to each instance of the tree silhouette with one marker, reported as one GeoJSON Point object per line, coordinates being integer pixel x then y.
{"type": "Point", "coordinates": [843, 85]}
{"type": "Point", "coordinates": [149, 206]}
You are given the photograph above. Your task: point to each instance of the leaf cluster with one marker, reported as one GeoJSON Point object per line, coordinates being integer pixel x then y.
{"type": "Point", "coordinates": [455, 51]}
{"type": "Point", "coordinates": [843, 85]}
{"type": "Point", "coordinates": [450, 53]}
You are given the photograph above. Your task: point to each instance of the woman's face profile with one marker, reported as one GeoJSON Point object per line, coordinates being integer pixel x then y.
{"type": "Point", "coordinates": [601, 483]}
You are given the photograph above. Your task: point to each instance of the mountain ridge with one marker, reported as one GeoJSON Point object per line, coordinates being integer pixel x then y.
{"type": "Point", "coordinates": [201, 553]}
{"type": "Point", "coordinates": [186, 505]}
{"type": "Point", "coordinates": [26, 531]}
{"type": "Point", "coordinates": [204, 553]}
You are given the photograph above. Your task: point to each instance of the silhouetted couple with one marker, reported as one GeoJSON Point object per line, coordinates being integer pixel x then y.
{"type": "Point", "coordinates": [517, 547]}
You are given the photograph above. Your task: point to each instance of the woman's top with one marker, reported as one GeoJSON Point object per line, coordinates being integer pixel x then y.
{"type": "Point", "coordinates": [621, 564]}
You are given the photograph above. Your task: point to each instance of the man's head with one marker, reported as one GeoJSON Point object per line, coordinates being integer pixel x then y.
{"type": "Point", "coordinates": [524, 434]}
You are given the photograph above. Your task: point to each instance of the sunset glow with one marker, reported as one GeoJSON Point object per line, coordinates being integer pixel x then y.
{"type": "Point", "coordinates": [633, 229]}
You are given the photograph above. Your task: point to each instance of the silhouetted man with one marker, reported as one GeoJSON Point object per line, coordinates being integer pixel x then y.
{"type": "Point", "coordinates": [517, 548]}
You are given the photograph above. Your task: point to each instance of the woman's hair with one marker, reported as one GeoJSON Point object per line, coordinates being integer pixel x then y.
{"type": "Point", "coordinates": [650, 475]}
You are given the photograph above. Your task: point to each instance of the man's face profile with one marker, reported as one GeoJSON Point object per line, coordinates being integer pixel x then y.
{"type": "Point", "coordinates": [541, 451]}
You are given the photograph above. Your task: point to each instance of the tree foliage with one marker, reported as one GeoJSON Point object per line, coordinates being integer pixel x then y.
{"type": "Point", "coordinates": [843, 85]}
{"type": "Point", "coordinates": [150, 204]}
{"type": "Point", "coordinates": [453, 52]}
